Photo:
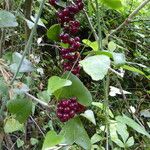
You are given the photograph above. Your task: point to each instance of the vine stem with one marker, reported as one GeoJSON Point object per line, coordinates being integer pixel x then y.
{"type": "Point", "coordinates": [128, 20]}
{"type": "Point", "coordinates": [106, 105]}
{"type": "Point", "coordinates": [99, 26]}
{"type": "Point", "coordinates": [28, 46]}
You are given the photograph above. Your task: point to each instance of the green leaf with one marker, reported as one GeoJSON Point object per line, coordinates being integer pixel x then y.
{"type": "Point", "coordinates": [20, 143]}
{"type": "Point", "coordinates": [7, 19]}
{"type": "Point", "coordinates": [114, 135]}
{"type": "Point", "coordinates": [93, 45]}
{"type": "Point", "coordinates": [74, 132]}
{"type": "Point", "coordinates": [12, 125]}
{"type": "Point", "coordinates": [51, 140]}
{"type": "Point", "coordinates": [77, 89]}
{"type": "Point", "coordinates": [122, 131]}
{"type": "Point", "coordinates": [55, 83]}
{"type": "Point", "coordinates": [131, 123]}
{"type": "Point", "coordinates": [133, 69]}
{"type": "Point", "coordinates": [96, 138]}
{"type": "Point", "coordinates": [34, 141]}
{"type": "Point", "coordinates": [89, 115]}
{"type": "Point", "coordinates": [130, 142]}
{"type": "Point", "coordinates": [119, 58]}
{"type": "Point", "coordinates": [3, 87]}
{"type": "Point", "coordinates": [53, 32]}
{"type": "Point", "coordinates": [44, 96]}
{"type": "Point", "coordinates": [96, 66]}
{"type": "Point", "coordinates": [114, 4]}
{"type": "Point", "coordinates": [112, 46]}
{"type": "Point", "coordinates": [21, 108]}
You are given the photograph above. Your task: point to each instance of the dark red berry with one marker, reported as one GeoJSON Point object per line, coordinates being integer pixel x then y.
{"type": "Point", "coordinates": [68, 108]}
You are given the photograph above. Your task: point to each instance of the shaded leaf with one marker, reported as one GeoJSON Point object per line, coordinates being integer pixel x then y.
{"type": "Point", "coordinates": [74, 132]}
{"type": "Point", "coordinates": [21, 108]}
{"type": "Point", "coordinates": [77, 89]}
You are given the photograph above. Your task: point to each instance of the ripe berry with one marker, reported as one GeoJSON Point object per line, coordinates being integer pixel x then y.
{"type": "Point", "coordinates": [80, 6]}
{"type": "Point", "coordinates": [69, 108]}
{"type": "Point", "coordinates": [52, 2]}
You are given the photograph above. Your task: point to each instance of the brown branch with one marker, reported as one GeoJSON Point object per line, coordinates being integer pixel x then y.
{"type": "Point", "coordinates": [130, 17]}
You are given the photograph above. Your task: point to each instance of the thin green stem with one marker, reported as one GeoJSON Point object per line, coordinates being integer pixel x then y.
{"type": "Point", "coordinates": [28, 46]}
{"type": "Point", "coordinates": [99, 26]}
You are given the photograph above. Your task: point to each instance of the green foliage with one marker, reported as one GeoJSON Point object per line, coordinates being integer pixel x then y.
{"type": "Point", "coordinates": [53, 32]}
{"type": "Point", "coordinates": [115, 4]}
{"type": "Point", "coordinates": [77, 89]}
{"type": "Point", "coordinates": [21, 108]}
{"type": "Point", "coordinates": [89, 115]}
{"type": "Point", "coordinates": [96, 66]}
{"type": "Point", "coordinates": [12, 125]}
{"type": "Point", "coordinates": [51, 140]}
{"type": "Point", "coordinates": [131, 123]}
{"type": "Point", "coordinates": [74, 132]}
{"type": "Point", "coordinates": [7, 19]}
{"type": "Point", "coordinates": [93, 45]}
{"type": "Point", "coordinates": [55, 83]}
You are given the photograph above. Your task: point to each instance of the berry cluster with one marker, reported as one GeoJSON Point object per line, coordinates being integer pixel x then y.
{"type": "Point", "coordinates": [66, 17]}
{"type": "Point", "coordinates": [68, 108]}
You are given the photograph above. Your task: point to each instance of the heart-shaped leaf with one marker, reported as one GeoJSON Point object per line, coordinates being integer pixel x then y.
{"type": "Point", "coordinates": [96, 66]}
